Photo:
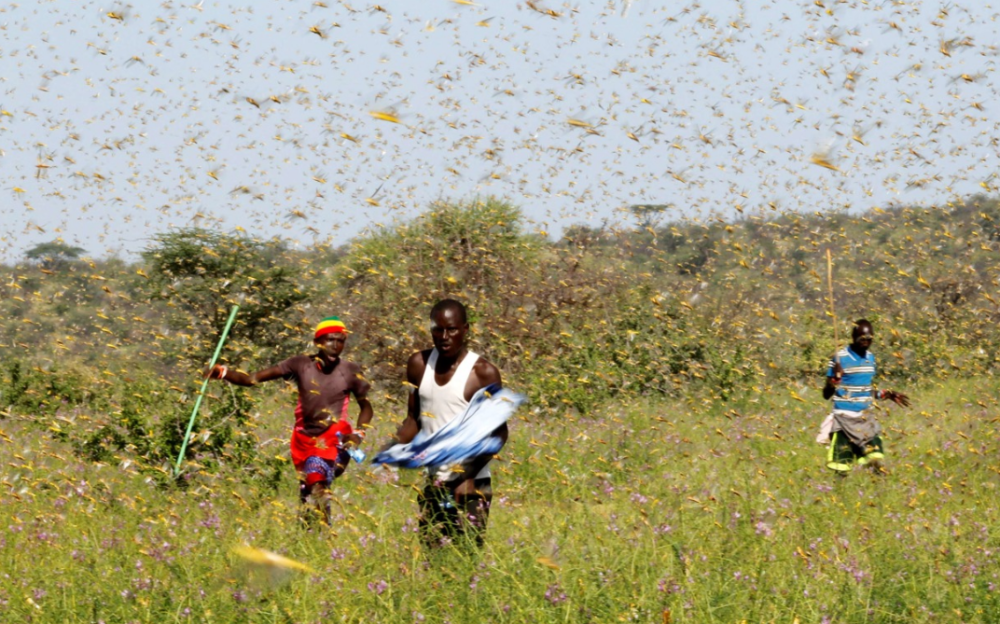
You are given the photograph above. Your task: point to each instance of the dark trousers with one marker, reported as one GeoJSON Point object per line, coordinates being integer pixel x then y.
{"type": "Point", "coordinates": [446, 516]}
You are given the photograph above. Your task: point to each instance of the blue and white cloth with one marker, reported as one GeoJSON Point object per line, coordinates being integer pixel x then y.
{"type": "Point", "coordinates": [464, 437]}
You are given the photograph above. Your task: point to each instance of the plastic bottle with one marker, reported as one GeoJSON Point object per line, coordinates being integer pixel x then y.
{"type": "Point", "coordinates": [354, 452]}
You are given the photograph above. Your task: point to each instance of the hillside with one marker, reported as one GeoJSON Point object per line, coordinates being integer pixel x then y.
{"type": "Point", "coordinates": [716, 311]}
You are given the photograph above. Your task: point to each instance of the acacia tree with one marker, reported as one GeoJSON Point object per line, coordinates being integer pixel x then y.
{"type": "Point", "coordinates": [647, 215]}
{"type": "Point", "coordinates": [54, 254]}
{"type": "Point", "coordinates": [201, 274]}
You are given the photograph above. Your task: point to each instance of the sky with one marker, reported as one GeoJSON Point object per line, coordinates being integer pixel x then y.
{"type": "Point", "coordinates": [314, 121]}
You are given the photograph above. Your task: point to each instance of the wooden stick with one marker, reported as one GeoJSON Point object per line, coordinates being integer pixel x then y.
{"type": "Point", "coordinates": [833, 311]}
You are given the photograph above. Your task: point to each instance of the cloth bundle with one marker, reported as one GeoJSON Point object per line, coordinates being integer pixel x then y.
{"type": "Point", "coordinates": [466, 436]}
{"type": "Point", "coordinates": [859, 427]}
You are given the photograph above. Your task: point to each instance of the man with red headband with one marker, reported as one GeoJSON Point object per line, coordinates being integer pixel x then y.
{"type": "Point", "coordinates": [322, 427]}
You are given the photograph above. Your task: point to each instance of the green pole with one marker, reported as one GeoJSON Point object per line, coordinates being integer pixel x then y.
{"type": "Point", "coordinates": [204, 385]}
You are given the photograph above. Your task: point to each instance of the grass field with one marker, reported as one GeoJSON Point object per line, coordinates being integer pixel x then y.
{"type": "Point", "coordinates": [665, 512]}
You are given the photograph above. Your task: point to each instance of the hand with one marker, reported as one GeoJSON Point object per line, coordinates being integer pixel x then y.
{"type": "Point", "coordinates": [217, 372]}
{"type": "Point", "coordinates": [353, 439]}
{"type": "Point", "coordinates": [898, 398]}
{"type": "Point", "coordinates": [838, 373]}
{"type": "Point", "coordinates": [466, 488]}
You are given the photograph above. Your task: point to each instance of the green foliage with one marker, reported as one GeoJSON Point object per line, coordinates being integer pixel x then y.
{"type": "Point", "coordinates": [714, 312]}
{"type": "Point", "coordinates": [35, 390]}
{"type": "Point", "coordinates": [738, 305]}
{"type": "Point", "coordinates": [574, 324]}
{"type": "Point", "coordinates": [136, 415]}
{"type": "Point", "coordinates": [548, 316]}
{"type": "Point", "coordinates": [391, 277]}
{"type": "Point", "coordinates": [647, 214]}
{"type": "Point", "coordinates": [16, 384]}
{"type": "Point", "coordinates": [201, 274]}
{"type": "Point", "coordinates": [224, 432]}
{"type": "Point", "coordinates": [708, 503]}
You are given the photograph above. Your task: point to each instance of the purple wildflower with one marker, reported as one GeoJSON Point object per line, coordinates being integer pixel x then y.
{"type": "Point", "coordinates": [762, 528]}
{"type": "Point", "coordinates": [555, 595]}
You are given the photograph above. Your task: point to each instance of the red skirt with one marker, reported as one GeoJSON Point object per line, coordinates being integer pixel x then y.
{"type": "Point", "coordinates": [325, 445]}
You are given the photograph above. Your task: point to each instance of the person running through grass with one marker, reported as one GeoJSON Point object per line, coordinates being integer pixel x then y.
{"type": "Point", "coordinates": [322, 429]}
{"type": "Point", "coordinates": [851, 429]}
{"type": "Point", "coordinates": [456, 499]}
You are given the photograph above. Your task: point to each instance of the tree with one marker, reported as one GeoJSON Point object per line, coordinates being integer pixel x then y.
{"type": "Point", "coordinates": [201, 274]}
{"type": "Point", "coordinates": [54, 254]}
{"type": "Point", "coordinates": [648, 214]}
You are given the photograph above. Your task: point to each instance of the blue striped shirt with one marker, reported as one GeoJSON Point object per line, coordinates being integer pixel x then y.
{"type": "Point", "coordinates": [854, 393]}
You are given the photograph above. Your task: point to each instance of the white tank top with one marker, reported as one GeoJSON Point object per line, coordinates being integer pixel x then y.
{"type": "Point", "coordinates": [441, 404]}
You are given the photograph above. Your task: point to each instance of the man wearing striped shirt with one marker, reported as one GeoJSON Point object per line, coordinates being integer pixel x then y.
{"type": "Point", "coordinates": [851, 428]}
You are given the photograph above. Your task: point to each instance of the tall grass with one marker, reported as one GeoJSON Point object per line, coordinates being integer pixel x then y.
{"type": "Point", "coordinates": [660, 511]}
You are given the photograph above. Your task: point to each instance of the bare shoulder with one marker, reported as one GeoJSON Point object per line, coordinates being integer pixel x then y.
{"type": "Point", "coordinates": [486, 372]}
{"type": "Point", "coordinates": [416, 365]}
{"type": "Point", "coordinates": [296, 362]}
{"type": "Point", "coordinates": [353, 370]}
{"type": "Point", "coordinates": [290, 368]}
{"type": "Point", "coordinates": [419, 358]}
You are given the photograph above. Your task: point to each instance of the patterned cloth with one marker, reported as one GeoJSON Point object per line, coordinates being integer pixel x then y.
{"type": "Point", "coordinates": [465, 437]}
{"type": "Point", "coordinates": [318, 470]}
{"type": "Point", "coordinates": [859, 427]}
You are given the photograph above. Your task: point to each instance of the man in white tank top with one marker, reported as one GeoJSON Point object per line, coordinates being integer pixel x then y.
{"type": "Point", "coordinates": [456, 499]}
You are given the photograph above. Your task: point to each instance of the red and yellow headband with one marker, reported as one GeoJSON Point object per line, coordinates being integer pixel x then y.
{"type": "Point", "coordinates": [330, 325]}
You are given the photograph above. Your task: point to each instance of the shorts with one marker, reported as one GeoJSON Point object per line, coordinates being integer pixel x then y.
{"type": "Point", "coordinates": [318, 470]}
{"type": "Point", "coordinates": [843, 453]}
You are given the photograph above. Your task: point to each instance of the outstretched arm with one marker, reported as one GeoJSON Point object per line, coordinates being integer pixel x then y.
{"type": "Point", "coordinates": [239, 378]}
{"type": "Point", "coordinates": [364, 420]}
{"type": "Point", "coordinates": [410, 426]}
{"type": "Point", "coordinates": [898, 398]}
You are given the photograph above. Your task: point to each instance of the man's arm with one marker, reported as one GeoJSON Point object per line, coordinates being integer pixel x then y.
{"type": "Point", "coordinates": [364, 420]}
{"type": "Point", "coordinates": [239, 378]}
{"type": "Point", "coordinates": [360, 389]}
{"type": "Point", "coordinates": [833, 377]}
{"type": "Point", "coordinates": [898, 398]}
{"type": "Point", "coordinates": [410, 426]}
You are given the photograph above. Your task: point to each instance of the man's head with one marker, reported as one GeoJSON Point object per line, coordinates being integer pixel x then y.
{"type": "Point", "coordinates": [862, 334]}
{"type": "Point", "coordinates": [449, 325]}
{"type": "Point", "coordinates": [330, 337]}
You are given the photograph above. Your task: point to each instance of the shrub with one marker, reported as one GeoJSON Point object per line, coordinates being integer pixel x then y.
{"type": "Point", "coordinates": [201, 274]}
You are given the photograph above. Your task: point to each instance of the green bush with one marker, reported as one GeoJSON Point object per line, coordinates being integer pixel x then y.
{"type": "Point", "coordinates": [571, 324]}
{"type": "Point", "coordinates": [200, 274]}
{"type": "Point", "coordinates": [37, 391]}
